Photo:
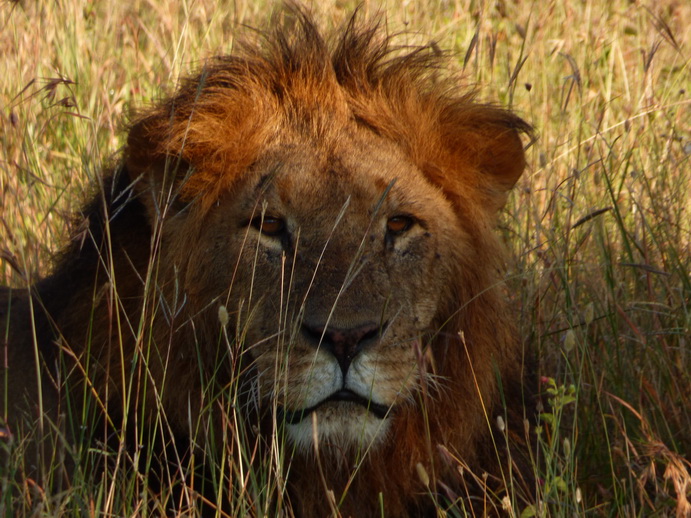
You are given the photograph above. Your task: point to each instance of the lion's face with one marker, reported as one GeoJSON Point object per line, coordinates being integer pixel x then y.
{"type": "Point", "coordinates": [343, 250]}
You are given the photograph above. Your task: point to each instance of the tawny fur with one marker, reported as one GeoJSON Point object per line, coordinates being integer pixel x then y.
{"type": "Point", "coordinates": [194, 152]}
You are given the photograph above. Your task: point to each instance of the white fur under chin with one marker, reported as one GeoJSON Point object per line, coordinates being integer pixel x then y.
{"type": "Point", "coordinates": [340, 427]}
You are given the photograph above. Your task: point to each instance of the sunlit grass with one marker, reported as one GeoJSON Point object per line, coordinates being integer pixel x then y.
{"type": "Point", "coordinates": [599, 228]}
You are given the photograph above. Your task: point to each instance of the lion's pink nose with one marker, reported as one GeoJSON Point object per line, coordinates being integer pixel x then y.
{"type": "Point", "coordinates": [343, 344]}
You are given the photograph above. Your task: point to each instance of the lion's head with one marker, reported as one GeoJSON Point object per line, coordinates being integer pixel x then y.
{"type": "Point", "coordinates": [337, 199]}
{"type": "Point", "coordinates": [333, 202]}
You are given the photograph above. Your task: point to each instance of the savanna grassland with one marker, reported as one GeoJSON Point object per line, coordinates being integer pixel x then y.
{"type": "Point", "coordinates": [598, 229]}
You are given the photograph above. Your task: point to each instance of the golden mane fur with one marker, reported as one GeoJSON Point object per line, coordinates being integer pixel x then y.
{"type": "Point", "coordinates": [146, 273]}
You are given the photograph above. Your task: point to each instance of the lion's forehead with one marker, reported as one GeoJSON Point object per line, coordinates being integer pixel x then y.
{"type": "Point", "coordinates": [358, 173]}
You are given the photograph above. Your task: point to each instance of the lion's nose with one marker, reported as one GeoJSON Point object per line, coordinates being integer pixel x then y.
{"type": "Point", "coordinates": [343, 344]}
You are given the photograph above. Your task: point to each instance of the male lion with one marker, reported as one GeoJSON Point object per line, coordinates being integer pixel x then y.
{"type": "Point", "coordinates": [305, 229]}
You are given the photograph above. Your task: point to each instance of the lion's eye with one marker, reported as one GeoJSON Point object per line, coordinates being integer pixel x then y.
{"type": "Point", "coordinates": [399, 224]}
{"type": "Point", "coordinates": [269, 225]}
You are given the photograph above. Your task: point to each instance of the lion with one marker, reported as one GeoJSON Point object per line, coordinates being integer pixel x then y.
{"type": "Point", "coordinates": [307, 224]}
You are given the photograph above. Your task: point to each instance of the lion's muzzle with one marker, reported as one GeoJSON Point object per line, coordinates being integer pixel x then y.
{"type": "Point", "coordinates": [343, 346]}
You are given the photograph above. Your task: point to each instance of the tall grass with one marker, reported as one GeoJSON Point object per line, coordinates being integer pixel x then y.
{"type": "Point", "coordinates": [599, 228]}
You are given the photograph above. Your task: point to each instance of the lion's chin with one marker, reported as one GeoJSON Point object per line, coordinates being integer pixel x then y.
{"type": "Point", "coordinates": [338, 426]}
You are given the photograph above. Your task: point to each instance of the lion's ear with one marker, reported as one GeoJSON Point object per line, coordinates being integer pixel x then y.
{"type": "Point", "coordinates": [503, 158]}
{"type": "Point", "coordinates": [488, 150]}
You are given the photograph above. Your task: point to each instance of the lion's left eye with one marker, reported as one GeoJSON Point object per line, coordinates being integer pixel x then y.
{"type": "Point", "coordinates": [399, 224]}
{"type": "Point", "coordinates": [269, 225]}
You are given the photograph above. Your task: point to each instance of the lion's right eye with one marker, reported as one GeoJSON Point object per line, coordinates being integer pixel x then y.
{"type": "Point", "coordinates": [269, 225]}
{"type": "Point", "coordinates": [399, 224]}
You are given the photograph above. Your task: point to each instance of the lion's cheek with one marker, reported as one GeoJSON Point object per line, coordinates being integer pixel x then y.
{"type": "Point", "coordinates": [416, 274]}
{"type": "Point", "coordinates": [205, 271]}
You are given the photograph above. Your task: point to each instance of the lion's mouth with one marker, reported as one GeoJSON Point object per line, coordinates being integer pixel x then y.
{"type": "Point", "coordinates": [343, 395]}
